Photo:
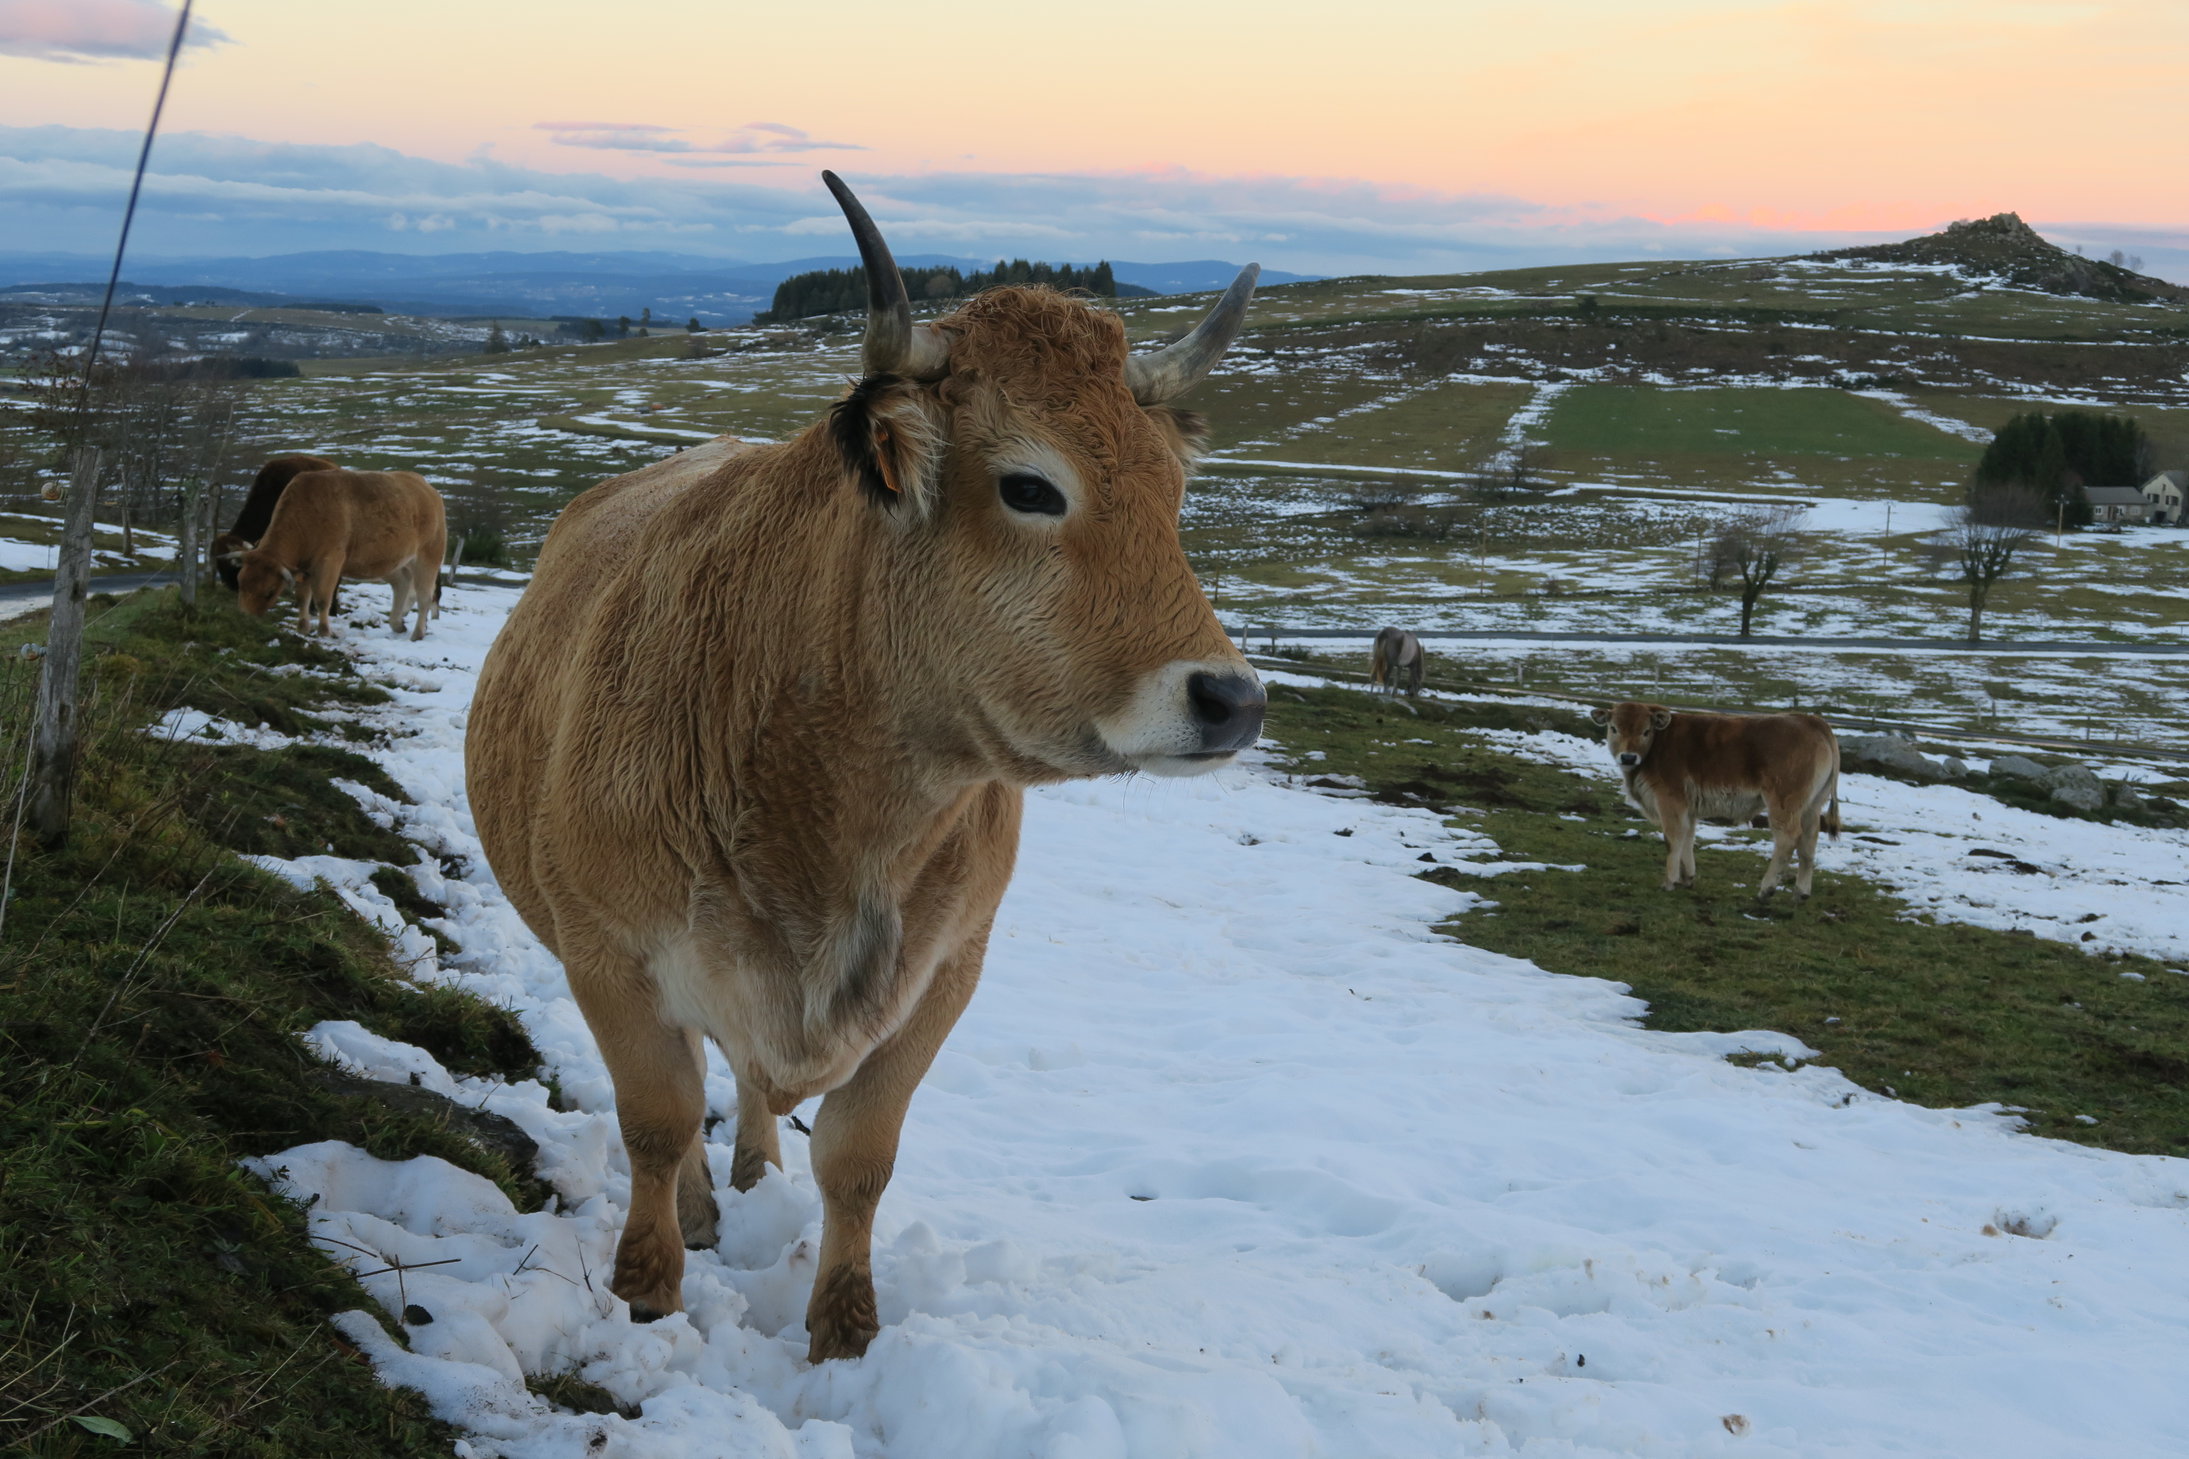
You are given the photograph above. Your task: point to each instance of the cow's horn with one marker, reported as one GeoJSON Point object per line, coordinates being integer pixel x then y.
{"type": "Point", "coordinates": [1171, 371]}
{"type": "Point", "coordinates": [894, 344]}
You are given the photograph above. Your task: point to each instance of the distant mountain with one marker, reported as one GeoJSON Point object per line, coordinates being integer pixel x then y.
{"type": "Point", "coordinates": [2008, 249]}
{"type": "Point", "coordinates": [1197, 277]}
{"type": "Point", "coordinates": [527, 285]}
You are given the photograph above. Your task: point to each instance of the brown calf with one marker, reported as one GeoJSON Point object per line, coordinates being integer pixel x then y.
{"type": "Point", "coordinates": [367, 524]}
{"type": "Point", "coordinates": [257, 510]}
{"type": "Point", "coordinates": [749, 754]}
{"type": "Point", "coordinates": [1681, 766]}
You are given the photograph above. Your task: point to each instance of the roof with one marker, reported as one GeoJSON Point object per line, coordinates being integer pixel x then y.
{"type": "Point", "coordinates": [2114, 496]}
{"type": "Point", "coordinates": [2178, 479]}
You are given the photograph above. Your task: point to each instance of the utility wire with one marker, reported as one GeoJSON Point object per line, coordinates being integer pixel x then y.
{"type": "Point", "coordinates": [129, 214]}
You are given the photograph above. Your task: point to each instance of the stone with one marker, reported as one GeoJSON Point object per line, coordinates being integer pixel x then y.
{"type": "Point", "coordinates": [1891, 754]}
{"type": "Point", "coordinates": [2020, 767]}
{"type": "Point", "coordinates": [2125, 796]}
{"type": "Point", "coordinates": [1955, 767]}
{"type": "Point", "coordinates": [2076, 787]}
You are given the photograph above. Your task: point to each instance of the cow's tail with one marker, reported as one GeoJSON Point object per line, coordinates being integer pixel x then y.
{"type": "Point", "coordinates": [1829, 821]}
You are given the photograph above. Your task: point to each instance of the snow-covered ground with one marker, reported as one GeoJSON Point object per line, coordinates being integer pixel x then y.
{"type": "Point", "coordinates": [1233, 1156]}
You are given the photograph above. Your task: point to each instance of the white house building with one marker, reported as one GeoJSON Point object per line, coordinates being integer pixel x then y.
{"type": "Point", "coordinates": [2166, 493]}
{"type": "Point", "coordinates": [2117, 504]}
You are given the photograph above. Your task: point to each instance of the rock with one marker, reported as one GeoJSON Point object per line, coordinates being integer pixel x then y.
{"type": "Point", "coordinates": [2019, 767]}
{"type": "Point", "coordinates": [1891, 754]}
{"type": "Point", "coordinates": [2076, 787]}
{"type": "Point", "coordinates": [1955, 766]}
{"type": "Point", "coordinates": [2125, 796]}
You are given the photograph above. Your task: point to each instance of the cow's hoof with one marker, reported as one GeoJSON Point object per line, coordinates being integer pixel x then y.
{"type": "Point", "coordinates": [697, 1217]}
{"type": "Point", "coordinates": [841, 1320]}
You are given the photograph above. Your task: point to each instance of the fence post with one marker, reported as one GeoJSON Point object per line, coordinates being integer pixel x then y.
{"type": "Point", "coordinates": [186, 546]}
{"type": "Point", "coordinates": [53, 736]}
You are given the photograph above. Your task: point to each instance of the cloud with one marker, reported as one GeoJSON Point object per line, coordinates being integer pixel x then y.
{"type": "Point", "coordinates": [77, 31]}
{"type": "Point", "coordinates": [752, 139]}
{"type": "Point", "coordinates": [61, 190]}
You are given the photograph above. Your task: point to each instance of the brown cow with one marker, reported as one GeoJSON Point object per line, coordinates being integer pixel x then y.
{"type": "Point", "coordinates": [1681, 766]}
{"type": "Point", "coordinates": [749, 755]}
{"type": "Point", "coordinates": [258, 509]}
{"type": "Point", "coordinates": [1396, 653]}
{"type": "Point", "coordinates": [368, 524]}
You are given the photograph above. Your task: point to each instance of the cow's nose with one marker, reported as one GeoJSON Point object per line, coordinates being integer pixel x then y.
{"type": "Point", "coordinates": [1228, 707]}
{"type": "Point", "coordinates": [1630, 758]}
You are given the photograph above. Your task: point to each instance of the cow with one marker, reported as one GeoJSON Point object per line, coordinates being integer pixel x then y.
{"type": "Point", "coordinates": [368, 524]}
{"type": "Point", "coordinates": [1680, 766]}
{"type": "Point", "coordinates": [749, 754]}
{"type": "Point", "coordinates": [1397, 652]}
{"type": "Point", "coordinates": [258, 509]}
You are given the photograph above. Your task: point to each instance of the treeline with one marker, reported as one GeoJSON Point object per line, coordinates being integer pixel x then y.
{"type": "Point", "coordinates": [2056, 456]}
{"type": "Point", "coordinates": [834, 291]}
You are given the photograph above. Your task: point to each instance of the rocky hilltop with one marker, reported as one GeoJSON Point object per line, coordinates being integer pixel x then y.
{"type": "Point", "coordinates": [2009, 250]}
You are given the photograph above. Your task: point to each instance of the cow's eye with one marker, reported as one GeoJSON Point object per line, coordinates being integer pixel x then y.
{"type": "Point", "coordinates": [1022, 491]}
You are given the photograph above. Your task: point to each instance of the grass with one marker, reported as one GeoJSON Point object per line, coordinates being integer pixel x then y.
{"type": "Point", "coordinates": [1640, 421]}
{"type": "Point", "coordinates": [154, 986]}
{"type": "Point", "coordinates": [1938, 1014]}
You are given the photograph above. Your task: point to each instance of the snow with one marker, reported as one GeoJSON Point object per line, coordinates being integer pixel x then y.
{"type": "Point", "coordinates": [1234, 1155]}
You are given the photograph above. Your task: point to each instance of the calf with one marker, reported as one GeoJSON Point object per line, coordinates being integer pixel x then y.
{"type": "Point", "coordinates": [258, 510]}
{"type": "Point", "coordinates": [368, 524]}
{"type": "Point", "coordinates": [1679, 766]}
{"type": "Point", "coordinates": [1397, 653]}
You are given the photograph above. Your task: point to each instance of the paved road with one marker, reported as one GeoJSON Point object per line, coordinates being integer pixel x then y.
{"type": "Point", "coordinates": [16, 599]}
{"type": "Point", "coordinates": [1937, 645]}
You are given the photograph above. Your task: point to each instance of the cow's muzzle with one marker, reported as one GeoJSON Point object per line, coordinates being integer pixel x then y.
{"type": "Point", "coordinates": [1630, 759]}
{"type": "Point", "coordinates": [1228, 708]}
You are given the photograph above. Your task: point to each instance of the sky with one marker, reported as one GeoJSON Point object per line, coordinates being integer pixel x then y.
{"type": "Point", "coordinates": [1375, 136]}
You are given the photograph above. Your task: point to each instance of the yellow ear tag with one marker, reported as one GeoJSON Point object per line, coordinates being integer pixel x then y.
{"type": "Point", "coordinates": [882, 459]}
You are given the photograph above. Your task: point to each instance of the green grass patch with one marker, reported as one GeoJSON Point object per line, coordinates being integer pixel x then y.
{"type": "Point", "coordinates": [154, 987]}
{"type": "Point", "coordinates": [1935, 1013]}
{"type": "Point", "coordinates": [1629, 420]}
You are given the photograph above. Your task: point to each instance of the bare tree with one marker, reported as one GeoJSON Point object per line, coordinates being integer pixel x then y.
{"type": "Point", "coordinates": [1755, 547]}
{"type": "Point", "coordinates": [1986, 534]}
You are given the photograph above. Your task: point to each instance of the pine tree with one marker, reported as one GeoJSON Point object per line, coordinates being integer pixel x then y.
{"type": "Point", "coordinates": [497, 343]}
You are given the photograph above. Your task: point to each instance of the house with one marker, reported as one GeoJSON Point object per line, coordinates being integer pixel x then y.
{"type": "Point", "coordinates": [2117, 504]}
{"type": "Point", "coordinates": [2166, 493]}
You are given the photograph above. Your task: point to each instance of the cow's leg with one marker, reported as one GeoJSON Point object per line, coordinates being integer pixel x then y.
{"type": "Point", "coordinates": [399, 584]}
{"type": "Point", "coordinates": [759, 1105]}
{"type": "Point", "coordinates": [854, 1150]}
{"type": "Point", "coordinates": [1807, 847]}
{"type": "Point", "coordinates": [425, 577]}
{"type": "Point", "coordinates": [660, 1106]}
{"type": "Point", "coordinates": [1784, 838]}
{"type": "Point", "coordinates": [326, 577]}
{"type": "Point", "coordinates": [1679, 829]}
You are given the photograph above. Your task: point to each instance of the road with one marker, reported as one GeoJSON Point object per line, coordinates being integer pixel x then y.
{"type": "Point", "coordinates": [17, 599]}
{"type": "Point", "coordinates": [1761, 640]}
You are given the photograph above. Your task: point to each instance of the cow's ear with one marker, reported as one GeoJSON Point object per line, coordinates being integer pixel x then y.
{"type": "Point", "coordinates": [1186, 432]}
{"type": "Point", "coordinates": [888, 432]}
{"type": "Point", "coordinates": [1659, 717]}
{"type": "Point", "coordinates": [1601, 714]}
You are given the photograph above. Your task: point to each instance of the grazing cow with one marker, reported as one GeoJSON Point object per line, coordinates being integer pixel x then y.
{"type": "Point", "coordinates": [1680, 766]}
{"type": "Point", "coordinates": [1397, 652]}
{"type": "Point", "coordinates": [749, 754]}
{"type": "Point", "coordinates": [258, 509]}
{"type": "Point", "coordinates": [368, 524]}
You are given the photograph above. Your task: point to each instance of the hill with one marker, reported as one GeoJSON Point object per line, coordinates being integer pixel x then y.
{"type": "Point", "coordinates": [2005, 248]}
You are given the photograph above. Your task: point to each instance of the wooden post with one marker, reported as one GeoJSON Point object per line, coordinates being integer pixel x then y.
{"type": "Point", "coordinates": [129, 533]}
{"type": "Point", "coordinates": [53, 737]}
{"type": "Point", "coordinates": [186, 544]}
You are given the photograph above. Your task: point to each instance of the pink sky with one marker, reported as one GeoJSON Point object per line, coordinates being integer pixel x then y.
{"type": "Point", "coordinates": [1801, 116]}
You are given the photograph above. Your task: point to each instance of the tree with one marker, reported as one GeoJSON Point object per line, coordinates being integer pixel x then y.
{"type": "Point", "coordinates": [2058, 455]}
{"type": "Point", "coordinates": [691, 325]}
{"type": "Point", "coordinates": [1986, 534]}
{"type": "Point", "coordinates": [1756, 546]}
{"type": "Point", "coordinates": [497, 343]}
{"type": "Point", "coordinates": [623, 325]}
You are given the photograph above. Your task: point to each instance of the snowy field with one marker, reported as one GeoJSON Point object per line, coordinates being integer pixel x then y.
{"type": "Point", "coordinates": [1233, 1156]}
